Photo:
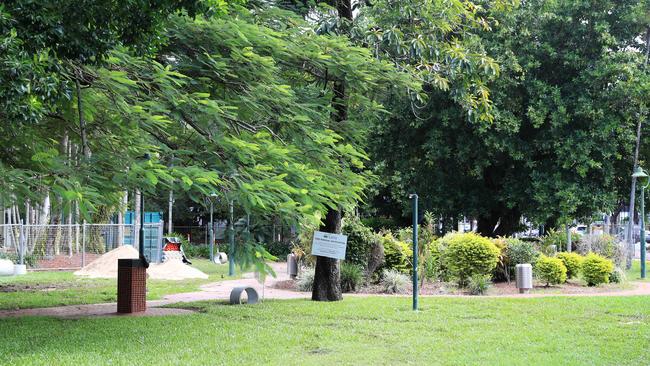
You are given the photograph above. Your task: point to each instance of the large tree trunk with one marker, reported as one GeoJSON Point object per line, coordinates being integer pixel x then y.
{"type": "Point", "coordinates": [327, 279]}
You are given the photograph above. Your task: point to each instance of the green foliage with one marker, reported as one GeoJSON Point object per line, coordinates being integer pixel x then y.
{"type": "Point", "coordinates": [605, 245]}
{"type": "Point", "coordinates": [550, 270]}
{"type": "Point", "coordinates": [559, 239]}
{"type": "Point", "coordinates": [617, 276]}
{"type": "Point", "coordinates": [30, 260]}
{"type": "Point", "coordinates": [351, 277]}
{"type": "Point", "coordinates": [198, 251]}
{"type": "Point", "coordinates": [596, 269]}
{"type": "Point", "coordinates": [572, 262]}
{"type": "Point", "coordinates": [469, 254]}
{"type": "Point", "coordinates": [394, 282]}
{"type": "Point", "coordinates": [397, 254]}
{"type": "Point", "coordinates": [278, 249]}
{"type": "Point", "coordinates": [514, 251]}
{"type": "Point", "coordinates": [360, 240]}
{"type": "Point", "coordinates": [478, 284]}
{"type": "Point", "coordinates": [559, 142]}
{"type": "Point", "coordinates": [380, 223]}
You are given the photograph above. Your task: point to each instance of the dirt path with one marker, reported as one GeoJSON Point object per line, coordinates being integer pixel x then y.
{"type": "Point", "coordinates": [221, 291]}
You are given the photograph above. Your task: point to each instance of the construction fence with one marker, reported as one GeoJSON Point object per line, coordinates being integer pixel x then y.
{"type": "Point", "coordinates": [75, 245]}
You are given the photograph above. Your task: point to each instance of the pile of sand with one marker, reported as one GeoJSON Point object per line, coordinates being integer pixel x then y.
{"type": "Point", "coordinates": [174, 269]}
{"type": "Point", "coordinates": [106, 267]}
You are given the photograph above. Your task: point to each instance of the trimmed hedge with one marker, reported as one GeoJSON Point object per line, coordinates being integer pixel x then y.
{"type": "Point", "coordinates": [550, 270]}
{"type": "Point", "coordinates": [572, 262]}
{"type": "Point", "coordinates": [596, 269]}
{"type": "Point", "coordinates": [469, 254]}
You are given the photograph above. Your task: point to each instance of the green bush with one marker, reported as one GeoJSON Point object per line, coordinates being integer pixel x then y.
{"type": "Point", "coordinates": [30, 260]}
{"type": "Point", "coordinates": [513, 252]}
{"type": "Point", "coordinates": [469, 254]}
{"type": "Point", "coordinates": [435, 262]}
{"type": "Point", "coordinates": [478, 284]}
{"type": "Point", "coordinates": [572, 262]}
{"type": "Point", "coordinates": [360, 240]}
{"type": "Point", "coordinates": [605, 245]}
{"type": "Point", "coordinates": [617, 276]}
{"type": "Point", "coordinates": [351, 277]}
{"type": "Point", "coordinates": [278, 249]}
{"type": "Point", "coordinates": [394, 282]}
{"type": "Point", "coordinates": [397, 254]}
{"type": "Point", "coordinates": [596, 269]}
{"type": "Point", "coordinates": [559, 239]}
{"type": "Point", "coordinates": [197, 250]}
{"type": "Point", "coordinates": [380, 223]}
{"type": "Point", "coordinates": [550, 270]}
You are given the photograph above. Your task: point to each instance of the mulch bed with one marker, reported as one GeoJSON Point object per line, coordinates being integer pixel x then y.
{"type": "Point", "coordinates": [496, 289]}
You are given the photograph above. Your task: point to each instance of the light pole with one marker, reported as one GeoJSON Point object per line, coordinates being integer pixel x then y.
{"type": "Point", "coordinates": [414, 197]}
{"type": "Point", "coordinates": [642, 177]}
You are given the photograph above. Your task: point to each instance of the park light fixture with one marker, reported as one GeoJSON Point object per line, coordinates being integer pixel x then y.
{"type": "Point", "coordinates": [642, 177]}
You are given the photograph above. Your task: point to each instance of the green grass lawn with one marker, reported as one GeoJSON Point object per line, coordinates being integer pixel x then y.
{"type": "Point", "coordinates": [634, 273]}
{"type": "Point", "coordinates": [356, 331]}
{"type": "Point", "coordinates": [48, 289]}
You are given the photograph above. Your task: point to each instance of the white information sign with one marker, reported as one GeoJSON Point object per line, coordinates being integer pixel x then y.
{"type": "Point", "coordinates": [329, 245]}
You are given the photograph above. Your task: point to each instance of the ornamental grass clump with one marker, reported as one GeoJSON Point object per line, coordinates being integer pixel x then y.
{"type": "Point", "coordinates": [351, 277]}
{"type": "Point", "coordinates": [305, 281]}
{"type": "Point", "coordinates": [572, 262]}
{"type": "Point", "coordinates": [478, 284]}
{"type": "Point", "coordinates": [596, 269]}
{"type": "Point", "coordinates": [469, 254]}
{"type": "Point", "coordinates": [394, 282]}
{"type": "Point", "coordinates": [550, 270]}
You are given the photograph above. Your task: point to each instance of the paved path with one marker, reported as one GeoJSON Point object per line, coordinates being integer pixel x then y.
{"type": "Point", "coordinates": [221, 291]}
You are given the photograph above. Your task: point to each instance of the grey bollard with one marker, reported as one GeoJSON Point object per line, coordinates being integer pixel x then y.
{"type": "Point", "coordinates": [292, 266]}
{"type": "Point", "coordinates": [524, 277]}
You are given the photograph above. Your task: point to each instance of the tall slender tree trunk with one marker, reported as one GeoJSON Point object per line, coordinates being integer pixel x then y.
{"type": "Point", "coordinates": [120, 218]}
{"type": "Point", "coordinates": [630, 224]}
{"type": "Point", "coordinates": [327, 278]}
{"type": "Point", "coordinates": [136, 219]}
{"type": "Point", "coordinates": [82, 123]}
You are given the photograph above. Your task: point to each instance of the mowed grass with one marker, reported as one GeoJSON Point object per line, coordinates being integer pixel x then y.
{"type": "Point", "coordinates": [634, 273]}
{"type": "Point", "coordinates": [356, 331]}
{"type": "Point", "coordinates": [47, 289]}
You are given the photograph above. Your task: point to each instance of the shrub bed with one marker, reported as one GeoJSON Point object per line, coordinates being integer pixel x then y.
{"type": "Point", "coordinates": [596, 269]}
{"type": "Point", "coordinates": [550, 270]}
{"type": "Point", "coordinates": [351, 277]}
{"type": "Point", "coordinates": [469, 254]}
{"type": "Point", "coordinates": [572, 262]}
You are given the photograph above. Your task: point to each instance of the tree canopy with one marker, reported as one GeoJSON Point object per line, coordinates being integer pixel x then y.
{"type": "Point", "coordinates": [564, 111]}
